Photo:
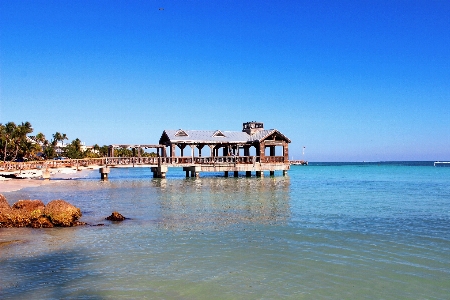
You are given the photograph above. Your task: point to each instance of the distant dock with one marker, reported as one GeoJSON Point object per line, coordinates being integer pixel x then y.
{"type": "Point", "coordinates": [298, 162]}
{"type": "Point", "coordinates": [442, 163]}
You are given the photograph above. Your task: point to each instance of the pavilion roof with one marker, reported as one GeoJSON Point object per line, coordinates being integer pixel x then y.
{"type": "Point", "coordinates": [215, 136]}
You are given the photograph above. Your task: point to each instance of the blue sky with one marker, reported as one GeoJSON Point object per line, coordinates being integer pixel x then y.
{"type": "Point", "coordinates": [348, 80]}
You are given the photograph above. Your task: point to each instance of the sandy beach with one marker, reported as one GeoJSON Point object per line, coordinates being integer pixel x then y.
{"type": "Point", "coordinates": [12, 184]}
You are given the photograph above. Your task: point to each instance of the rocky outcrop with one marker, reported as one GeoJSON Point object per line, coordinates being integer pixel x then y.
{"type": "Point", "coordinates": [4, 210]}
{"type": "Point", "coordinates": [33, 213]}
{"type": "Point", "coordinates": [62, 213]}
{"type": "Point", "coordinates": [3, 203]}
{"type": "Point", "coordinates": [115, 216]}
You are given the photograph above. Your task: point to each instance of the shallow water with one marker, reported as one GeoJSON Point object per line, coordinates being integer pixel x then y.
{"type": "Point", "coordinates": [327, 231]}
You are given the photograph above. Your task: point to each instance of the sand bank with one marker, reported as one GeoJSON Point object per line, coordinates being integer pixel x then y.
{"type": "Point", "coordinates": [10, 185]}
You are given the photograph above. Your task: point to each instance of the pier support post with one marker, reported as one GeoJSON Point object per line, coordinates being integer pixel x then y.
{"type": "Point", "coordinates": [194, 171]}
{"type": "Point", "coordinates": [236, 173]}
{"type": "Point", "coordinates": [272, 173]}
{"type": "Point", "coordinates": [159, 172]}
{"type": "Point", "coordinates": [46, 174]}
{"type": "Point", "coordinates": [248, 173]}
{"type": "Point", "coordinates": [284, 172]}
{"type": "Point", "coordinates": [226, 173]}
{"type": "Point", "coordinates": [259, 174]}
{"type": "Point", "coordinates": [104, 171]}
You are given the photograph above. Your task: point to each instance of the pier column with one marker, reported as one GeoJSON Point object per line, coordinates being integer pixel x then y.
{"type": "Point", "coordinates": [159, 172]}
{"type": "Point", "coordinates": [110, 151]}
{"type": "Point", "coordinates": [272, 173]}
{"type": "Point", "coordinates": [194, 171]}
{"type": "Point", "coordinates": [259, 174]}
{"type": "Point", "coordinates": [236, 173]}
{"type": "Point", "coordinates": [104, 171]}
{"type": "Point", "coordinates": [182, 149]}
{"type": "Point", "coordinates": [246, 150]}
{"type": "Point", "coordinates": [248, 173]}
{"type": "Point", "coordinates": [46, 174]}
{"type": "Point", "coordinates": [272, 150]}
{"type": "Point", "coordinates": [226, 173]}
{"type": "Point", "coordinates": [284, 172]}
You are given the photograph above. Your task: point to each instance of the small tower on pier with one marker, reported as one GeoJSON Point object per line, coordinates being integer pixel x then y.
{"type": "Point", "coordinates": [252, 127]}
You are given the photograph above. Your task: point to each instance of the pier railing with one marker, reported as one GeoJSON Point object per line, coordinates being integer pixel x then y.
{"type": "Point", "coordinates": [127, 161]}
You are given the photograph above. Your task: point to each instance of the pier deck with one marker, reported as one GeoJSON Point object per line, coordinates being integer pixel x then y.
{"type": "Point", "coordinates": [159, 165]}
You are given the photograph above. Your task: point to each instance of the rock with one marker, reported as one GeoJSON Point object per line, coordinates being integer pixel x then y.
{"type": "Point", "coordinates": [33, 213]}
{"type": "Point", "coordinates": [62, 213]}
{"type": "Point", "coordinates": [25, 212]}
{"type": "Point", "coordinates": [41, 222]}
{"type": "Point", "coordinates": [5, 210]}
{"type": "Point", "coordinates": [29, 205]}
{"type": "Point", "coordinates": [115, 216]}
{"type": "Point", "coordinates": [4, 205]}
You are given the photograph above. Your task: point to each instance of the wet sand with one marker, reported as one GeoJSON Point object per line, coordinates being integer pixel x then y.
{"type": "Point", "coordinates": [12, 184]}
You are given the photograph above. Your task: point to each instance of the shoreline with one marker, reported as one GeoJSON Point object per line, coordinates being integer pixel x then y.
{"type": "Point", "coordinates": [16, 184]}
{"type": "Point", "coordinates": [12, 185]}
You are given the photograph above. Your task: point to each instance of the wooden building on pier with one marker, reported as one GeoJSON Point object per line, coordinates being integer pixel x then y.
{"type": "Point", "coordinates": [252, 149]}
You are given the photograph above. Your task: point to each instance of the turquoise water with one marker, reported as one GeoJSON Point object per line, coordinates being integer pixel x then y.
{"type": "Point", "coordinates": [325, 231]}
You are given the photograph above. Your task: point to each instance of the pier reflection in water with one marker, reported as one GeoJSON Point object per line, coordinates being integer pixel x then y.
{"type": "Point", "coordinates": [209, 203]}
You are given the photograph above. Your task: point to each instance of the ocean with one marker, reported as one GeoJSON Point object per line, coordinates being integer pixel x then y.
{"type": "Point", "coordinates": [325, 231]}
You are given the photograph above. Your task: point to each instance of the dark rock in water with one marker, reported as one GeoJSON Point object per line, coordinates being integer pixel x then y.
{"type": "Point", "coordinates": [115, 216]}
{"type": "Point", "coordinates": [62, 213]}
{"type": "Point", "coordinates": [33, 213]}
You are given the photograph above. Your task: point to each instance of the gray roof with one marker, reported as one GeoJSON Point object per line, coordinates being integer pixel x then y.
{"type": "Point", "coordinates": [215, 136]}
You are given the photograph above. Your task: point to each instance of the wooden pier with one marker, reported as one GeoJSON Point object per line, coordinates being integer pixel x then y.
{"type": "Point", "coordinates": [241, 152]}
{"type": "Point", "coordinates": [159, 165]}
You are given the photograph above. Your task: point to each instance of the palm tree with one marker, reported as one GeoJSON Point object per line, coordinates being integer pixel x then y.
{"type": "Point", "coordinates": [30, 149]}
{"type": "Point", "coordinates": [40, 138]}
{"type": "Point", "coordinates": [73, 150]}
{"type": "Point", "coordinates": [20, 136]}
{"type": "Point", "coordinates": [58, 137]}
{"type": "Point", "coordinates": [2, 134]}
{"type": "Point", "coordinates": [7, 135]}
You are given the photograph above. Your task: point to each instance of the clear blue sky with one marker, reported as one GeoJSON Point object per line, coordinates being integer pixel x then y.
{"type": "Point", "coordinates": [348, 80]}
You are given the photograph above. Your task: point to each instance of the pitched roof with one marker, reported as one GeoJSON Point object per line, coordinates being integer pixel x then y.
{"type": "Point", "coordinates": [216, 136]}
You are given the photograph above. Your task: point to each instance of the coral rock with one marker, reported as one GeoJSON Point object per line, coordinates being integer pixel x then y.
{"type": "Point", "coordinates": [33, 213]}
{"type": "Point", "coordinates": [62, 213]}
{"type": "Point", "coordinates": [4, 205]}
{"type": "Point", "coordinates": [29, 205]}
{"type": "Point", "coordinates": [115, 216]}
{"type": "Point", "coordinates": [5, 210]}
{"type": "Point", "coordinates": [41, 222]}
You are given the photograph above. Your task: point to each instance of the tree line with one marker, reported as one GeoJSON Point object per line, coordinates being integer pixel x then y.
{"type": "Point", "coordinates": [16, 144]}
